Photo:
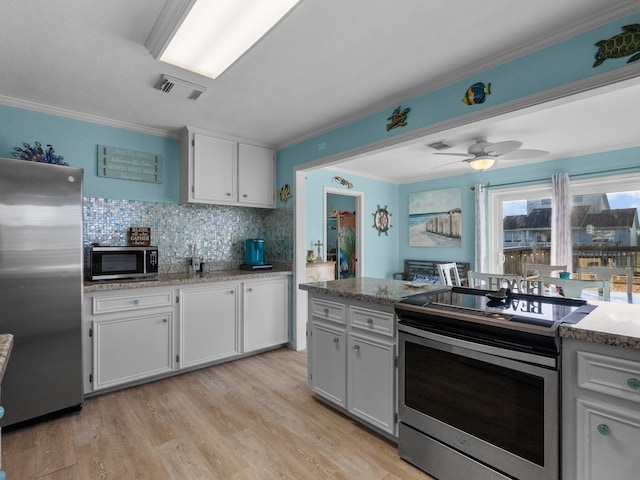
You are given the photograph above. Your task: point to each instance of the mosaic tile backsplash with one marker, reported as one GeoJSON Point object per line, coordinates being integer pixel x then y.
{"type": "Point", "coordinates": [217, 232]}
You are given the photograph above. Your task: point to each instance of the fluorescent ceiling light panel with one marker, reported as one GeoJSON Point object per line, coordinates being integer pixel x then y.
{"type": "Point", "coordinates": [215, 33]}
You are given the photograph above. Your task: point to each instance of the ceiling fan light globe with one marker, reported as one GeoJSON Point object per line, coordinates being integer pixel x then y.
{"type": "Point", "coordinates": [482, 163]}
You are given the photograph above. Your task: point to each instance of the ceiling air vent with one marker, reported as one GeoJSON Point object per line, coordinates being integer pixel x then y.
{"type": "Point", "coordinates": [439, 146]}
{"type": "Point", "coordinates": [181, 88]}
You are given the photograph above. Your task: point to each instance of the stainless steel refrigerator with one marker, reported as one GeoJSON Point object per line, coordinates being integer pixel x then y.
{"type": "Point", "coordinates": [41, 288]}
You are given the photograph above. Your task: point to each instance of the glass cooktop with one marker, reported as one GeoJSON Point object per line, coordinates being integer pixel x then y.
{"type": "Point", "coordinates": [499, 305]}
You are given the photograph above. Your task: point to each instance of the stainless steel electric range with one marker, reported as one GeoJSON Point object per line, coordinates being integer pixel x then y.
{"type": "Point", "coordinates": [479, 382]}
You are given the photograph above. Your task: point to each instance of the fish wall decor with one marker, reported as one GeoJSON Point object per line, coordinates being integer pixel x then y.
{"type": "Point", "coordinates": [343, 181]}
{"type": "Point", "coordinates": [398, 118]}
{"type": "Point", "coordinates": [476, 93]}
{"type": "Point", "coordinates": [285, 193]}
{"type": "Point", "coordinates": [620, 45]}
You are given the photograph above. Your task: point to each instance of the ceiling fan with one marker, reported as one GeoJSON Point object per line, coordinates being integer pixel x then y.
{"type": "Point", "coordinates": [482, 154]}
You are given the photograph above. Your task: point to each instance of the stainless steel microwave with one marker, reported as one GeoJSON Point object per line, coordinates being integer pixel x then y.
{"type": "Point", "coordinates": [110, 263]}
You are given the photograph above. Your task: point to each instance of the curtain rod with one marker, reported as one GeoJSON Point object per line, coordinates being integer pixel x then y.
{"type": "Point", "coordinates": [548, 179]}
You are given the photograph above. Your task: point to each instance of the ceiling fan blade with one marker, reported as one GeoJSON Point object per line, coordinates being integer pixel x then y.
{"type": "Point", "coordinates": [502, 148]}
{"type": "Point", "coordinates": [523, 154]}
{"type": "Point", "coordinates": [455, 154]}
{"type": "Point", "coordinates": [450, 163]}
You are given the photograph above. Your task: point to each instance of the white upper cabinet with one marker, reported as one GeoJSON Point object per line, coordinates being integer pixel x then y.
{"type": "Point", "coordinates": [256, 176]}
{"type": "Point", "coordinates": [222, 171]}
{"type": "Point", "coordinates": [214, 170]}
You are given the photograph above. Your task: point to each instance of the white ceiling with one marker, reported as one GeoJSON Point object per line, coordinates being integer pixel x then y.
{"type": "Point", "coordinates": [327, 63]}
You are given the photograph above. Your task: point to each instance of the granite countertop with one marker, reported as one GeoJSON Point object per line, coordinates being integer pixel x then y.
{"type": "Point", "coordinates": [374, 290]}
{"type": "Point", "coordinates": [169, 279]}
{"type": "Point", "coordinates": [6, 344]}
{"type": "Point", "coordinates": [616, 324]}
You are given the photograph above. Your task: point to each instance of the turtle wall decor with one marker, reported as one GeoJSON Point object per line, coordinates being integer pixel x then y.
{"type": "Point", "coordinates": [620, 45]}
{"type": "Point", "coordinates": [398, 118]}
{"type": "Point", "coordinates": [382, 220]}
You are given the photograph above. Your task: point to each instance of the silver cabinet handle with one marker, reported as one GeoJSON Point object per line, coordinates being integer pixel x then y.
{"type": "Point", "coordinates": [136, 302]}
{"type": "Point", "coordinates": [228, 194]}
{"type": "Point", "coordinates": [232, 292]}
{"type": "Point", "coordinates": [356, 348]}
{"type": "Point", "coordinates": [244, 195]}
{"type": "Point", "coordinates": [604, 429]}
{"type": "Point", "coordinates": [326, 311]}
{"type": "Point", "coordinates": [165, 321]}
{"type": "Point", "coordinates": [250, 289]}
{"type": "Point", "coordinates": [336, 340]}
{"type": "Point", "coordinates": [370, 321]}
{"type": "Point", "coordinates": [634, 383]}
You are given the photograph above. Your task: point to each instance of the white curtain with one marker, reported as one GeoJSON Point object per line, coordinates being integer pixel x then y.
{"type": "Point", "coordinates": [481, 228]}
{"type": "Point", "coordinates": [561, 245]}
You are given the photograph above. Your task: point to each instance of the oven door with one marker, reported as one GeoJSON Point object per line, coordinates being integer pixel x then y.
{"type": "Point", "coordinates": [474, 401]}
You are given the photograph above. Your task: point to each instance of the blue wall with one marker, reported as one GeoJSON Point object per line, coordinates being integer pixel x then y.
{"type": "Point", "coordinates": [77, 142]}
{"type": "Point", "coordinates": [556, 66]}
{"type": "Point", "coordinates": [595, 165]}
{"type": "Point", "coordinates": [380, 251]}
{"type": "Point", "coordinates": [112, 206]}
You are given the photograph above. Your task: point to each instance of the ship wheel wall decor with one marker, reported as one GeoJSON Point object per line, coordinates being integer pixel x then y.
{"type": "Point", "coordinates": [382, 220]}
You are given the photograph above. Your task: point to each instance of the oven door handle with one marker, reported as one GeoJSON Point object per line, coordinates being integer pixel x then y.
{"type": "Point", "coordinates": [535, 359]}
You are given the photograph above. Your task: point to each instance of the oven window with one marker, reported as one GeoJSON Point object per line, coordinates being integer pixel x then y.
{"type": "Point", "coordinates": [496, 404]}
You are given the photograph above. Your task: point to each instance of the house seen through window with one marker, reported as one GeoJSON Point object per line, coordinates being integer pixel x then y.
{"type": "Point", "coordinates": [604, 225]}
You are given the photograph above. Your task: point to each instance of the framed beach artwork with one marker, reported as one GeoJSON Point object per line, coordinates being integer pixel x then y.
{"type": "Point", "coordinates": [435, 218]}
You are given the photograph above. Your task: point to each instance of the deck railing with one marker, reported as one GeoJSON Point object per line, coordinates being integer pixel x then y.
{"type": "Point", "coordinates": [583, 256]}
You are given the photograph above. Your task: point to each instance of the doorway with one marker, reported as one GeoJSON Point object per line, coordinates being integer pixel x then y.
{"type": "Point", "coordinates": [342, 231]}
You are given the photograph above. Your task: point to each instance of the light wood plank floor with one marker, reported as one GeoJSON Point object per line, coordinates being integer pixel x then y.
{"type": "Point", "coordinates": [253, 418]}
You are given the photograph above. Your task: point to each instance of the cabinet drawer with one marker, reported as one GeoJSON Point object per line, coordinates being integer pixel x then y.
{"type": "Point", "coordinates": [612, 376]}
{"type": "Point", "coordinates": [372, 320]}
{"type": "Point", "coordinates": [326, 310]}
{"type": "Point", "coordinates": [121, 303]}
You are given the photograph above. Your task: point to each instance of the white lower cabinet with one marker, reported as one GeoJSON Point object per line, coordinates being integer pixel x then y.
{"type": "Point", "coordinates": [127, 336]}
{"type": "Point", "coordinates": [371, 385]}
{"type": "Point", "coordinates": [601, 411]}
{"type": "Point", "coordinates": [328, 362]}
{"type": "Point", "coordinates": [128, 349]}
{"type": "Point", "coordinates": [208, 323]}
{"type": "Point", "coordinates": [133, 335]}
{"type": "Point", "coordinates": [607, 441]}
{"type": "Point", "coordinates": [265, 314]}
{"type": "Point", "coordinates": [352, 359]}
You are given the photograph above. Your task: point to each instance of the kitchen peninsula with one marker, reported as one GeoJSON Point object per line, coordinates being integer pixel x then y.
{"type": "Point", "coordinates": [353, 346]}
{"type": "Point", "coordinates": [352, 360]}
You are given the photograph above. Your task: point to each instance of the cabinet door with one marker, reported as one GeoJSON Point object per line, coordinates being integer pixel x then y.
{"type": "Point", "coordinates": [128, 349]}
{"type": "Point", "coordinates": [607, 441]}
{"type": "Point", "coordinates": [328, 362]}
{"type": "Point", "coordinates": [215, 164]}
{"type": "Point", "coordinates": [208, 324]}
{"type": "Point", "coordinates": [266, 319]}
{"type": "Point", "coordinates": [371, 381]}
{"type": "Point", "coordinates": [256, 176]}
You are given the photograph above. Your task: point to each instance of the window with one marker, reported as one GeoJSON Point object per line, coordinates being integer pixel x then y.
{"type": "Point", "coordinates": [604, 224]}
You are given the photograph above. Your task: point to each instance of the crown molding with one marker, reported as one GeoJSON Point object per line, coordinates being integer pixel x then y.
{"type": "Point", "coordinates": [85, 117]}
